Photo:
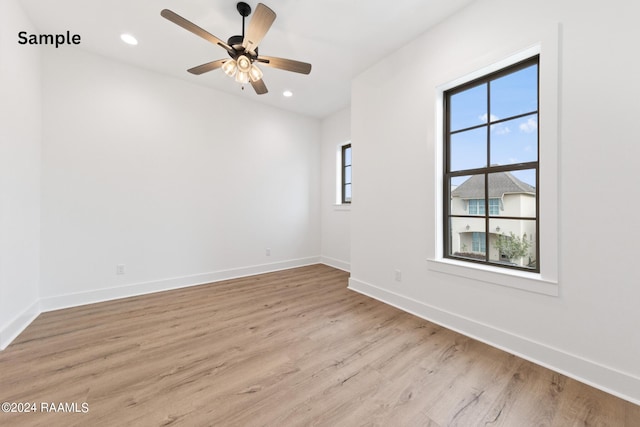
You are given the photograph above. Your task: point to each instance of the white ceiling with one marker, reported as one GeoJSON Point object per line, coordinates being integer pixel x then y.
{"type": "Point", "coordinates": [340, 38]}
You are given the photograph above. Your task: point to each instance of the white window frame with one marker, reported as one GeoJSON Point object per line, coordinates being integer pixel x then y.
{"type": "Point", "coordinates": [546, 281]}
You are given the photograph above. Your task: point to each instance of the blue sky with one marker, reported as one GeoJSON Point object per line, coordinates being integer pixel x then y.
{"type": "Point", "coordinates": [512, 141]}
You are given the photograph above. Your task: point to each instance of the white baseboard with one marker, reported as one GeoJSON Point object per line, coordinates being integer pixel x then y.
{"type": "Point", "coordinates": [335, 263]}
{"type": "Point", "coordinates": [14, 328]}
{"type": "Point", "coordinates": [610, 380]}
{"type": "Point", "coordinates": [135, 289]}
{"type": "Point", "coordinates": [11, 331]}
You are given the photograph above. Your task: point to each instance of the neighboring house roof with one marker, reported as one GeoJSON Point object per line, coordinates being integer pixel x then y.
{"type": "Point", "coordinates": [501, 183]}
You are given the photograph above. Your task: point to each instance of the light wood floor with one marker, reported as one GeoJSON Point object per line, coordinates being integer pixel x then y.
{"type": "Point", "coordinates": [291, 348]}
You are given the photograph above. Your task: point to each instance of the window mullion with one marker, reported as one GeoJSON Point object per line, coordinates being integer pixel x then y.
{"type": "Point", "coordinates": [486, 175]}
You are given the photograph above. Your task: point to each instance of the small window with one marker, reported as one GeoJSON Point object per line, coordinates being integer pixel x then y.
{"type": "Point", "coordinates": [491, 160]}
{"type": "Point", "coordinates": [494, 207]}
{"type": "Point", "coordinates": [346, 173]}
{"type": "Point", "coordinates": [478, 244]}
{"type": "Point", "coordinates": [476, 206]}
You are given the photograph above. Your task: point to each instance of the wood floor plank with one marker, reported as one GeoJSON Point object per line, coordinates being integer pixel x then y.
{"type": "Point", "coordinates": [289, 348]}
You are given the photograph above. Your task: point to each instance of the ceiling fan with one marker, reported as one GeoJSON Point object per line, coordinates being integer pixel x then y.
{"type": "Point", "coordinates": [243, 49]}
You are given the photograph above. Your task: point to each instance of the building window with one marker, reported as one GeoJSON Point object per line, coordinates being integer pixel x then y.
{"type": "Point", "coordinates": [491, 159]}
{"type": "Point", "coordinates": [476, 206]}
{"type": "Point", "coordinates": [479, 244]}
{"type": "Point", "coordinates": [494, 207]}
{"type": "Point", "coordinates": [346, 173]}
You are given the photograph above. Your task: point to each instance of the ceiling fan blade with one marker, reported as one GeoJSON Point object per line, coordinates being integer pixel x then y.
{"type": "Point", "coordinates": [193, 28]}
{"type": "Point", "coordinates": [285, 64]}
{"type": "Point", "coordinates": [259, 87]}
{"type": "Point", "coordinates": [260, 23]}
{"type": "Point", "coordinates": [209, 66]}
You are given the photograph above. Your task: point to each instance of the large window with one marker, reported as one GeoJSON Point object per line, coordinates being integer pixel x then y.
{"type": "Point", "coordinates": [491, 160]}
{"type": "Point", "coordinates": [346, 173]}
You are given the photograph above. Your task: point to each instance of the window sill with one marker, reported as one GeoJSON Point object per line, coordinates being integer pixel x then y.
{"type": "Point", "coordinates": [531, 282]}
{"type": "Point", "coordinates": [346, 207]}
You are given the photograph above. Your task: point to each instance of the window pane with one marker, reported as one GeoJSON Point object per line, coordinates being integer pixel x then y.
{"type": "Point", "coordinates": [515, 141]}
{"type": "Point", "coordinates": [513, 242]}
{"type": "Point", "coordinates": [527, 176]}
{"type": "Point", "coordinates": [468, 108]}
{"type": "Point", "coordinates": [515, 93]}
{"type": "Point", "coordinates": [347, 155]}
{"type": "Point", "coordinates": [464, 189]}
{"type": "Point", "coordinates": [347, 193]}
{"type": "Point", "coordinates": [347, 175]}
{"type": "Point", "coordinates": [468, 150]}
{"type": "Point", "coordinates": [465, 240]}
{"type": "Point", "coordinates": [515, 192]}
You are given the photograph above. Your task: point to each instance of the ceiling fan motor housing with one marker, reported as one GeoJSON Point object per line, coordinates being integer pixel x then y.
{"type": "Point", "coordinates": [236, 41]}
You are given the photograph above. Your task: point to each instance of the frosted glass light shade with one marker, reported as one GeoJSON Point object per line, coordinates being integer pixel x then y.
{"type": "Point", "coordinates": [255, 73]}
{"type": "Point", "coordinates": [242, 77]}
{"type": "Point", "coordinates": [244, 63]}
{"type": "Point", "coordinates": [230, 67]}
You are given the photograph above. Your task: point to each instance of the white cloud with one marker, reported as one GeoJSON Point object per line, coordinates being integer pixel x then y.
{"type": "Point", "coordinates": [483, 118]}
{"type": "Point", "coordinates": [500, 129]}
{"type": "Point", "coordinates": [530, 126]}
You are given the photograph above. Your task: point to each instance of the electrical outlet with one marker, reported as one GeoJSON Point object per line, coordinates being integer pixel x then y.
{"type": "Point", "coordinates": [398, 276]}
{"type": "Point", "coordinates": [120, 269]}
{"type": "Point", "coordinates": [267, 252]}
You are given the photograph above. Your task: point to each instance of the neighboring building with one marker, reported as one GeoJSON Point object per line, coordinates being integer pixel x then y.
{"type": "Point", "coordinates": [508, 197]}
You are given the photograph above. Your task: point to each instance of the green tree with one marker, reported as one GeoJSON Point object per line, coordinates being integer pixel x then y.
{"type": "Point", "coordinates": [512, 246]}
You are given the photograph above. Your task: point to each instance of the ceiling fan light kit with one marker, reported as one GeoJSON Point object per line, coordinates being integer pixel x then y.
{"type": "Point", "coordinates": [243, 49]}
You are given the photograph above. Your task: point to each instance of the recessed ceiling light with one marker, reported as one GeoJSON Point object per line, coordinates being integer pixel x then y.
{"type": "Point", "coordinates": [287, 93]}
{"type": "Point", "coordinates": [129, 39]}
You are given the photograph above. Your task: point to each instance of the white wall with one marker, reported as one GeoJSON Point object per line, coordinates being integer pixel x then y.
{"type": "Point", "coordinates": [181, 184]}
{"type": "Point", "coordinates": [590, 330]}
{"type": "Point", "coordinates": [20, 139]}
{"type": "Point", "coordinates": [336, 230]}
